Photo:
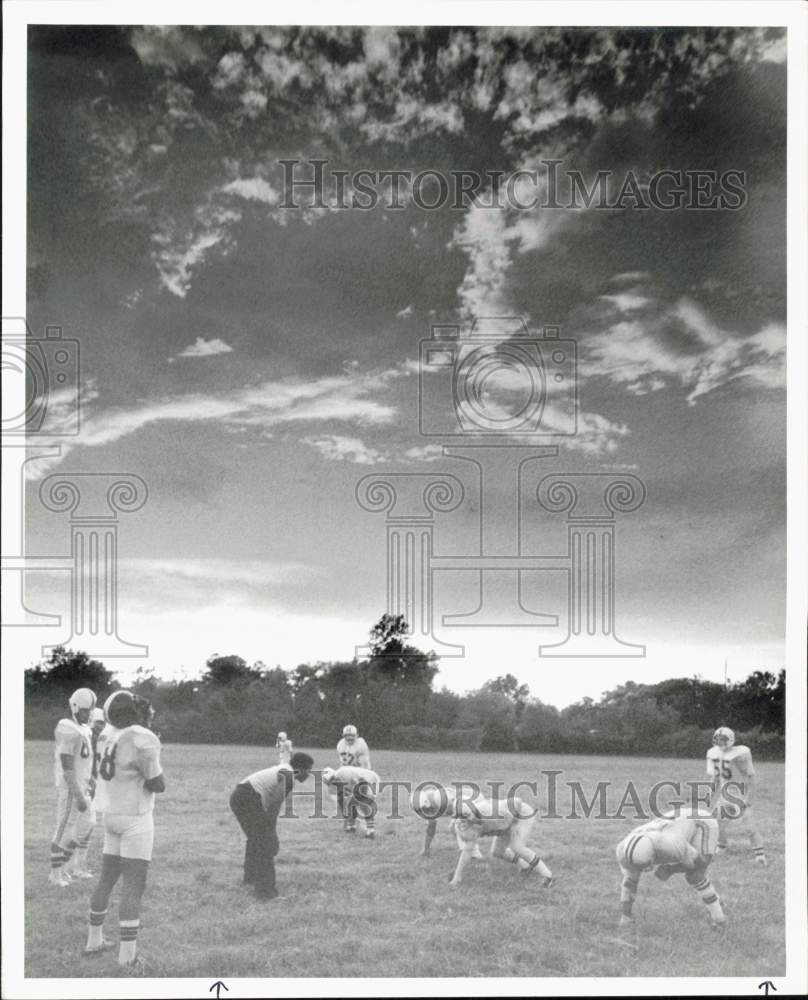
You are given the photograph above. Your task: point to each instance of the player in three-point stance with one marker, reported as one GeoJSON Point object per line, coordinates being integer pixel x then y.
{"type": "Point", "coordinates": [284, 747]}
{"type": "Point", "coordinates": [358, 787]}
{"type": "Point", "coordinates": [674, 844]}
{"type": "Point", "coordinates": [129, 775]}
{"type": "Point", "coordinates": [733, 775]}
{"type": "Point", "coordinates": [430, 804]}
{"type": "Point", "coordinates": [75, 816]}
{"type": "Point", "coordinates": [508, 820]}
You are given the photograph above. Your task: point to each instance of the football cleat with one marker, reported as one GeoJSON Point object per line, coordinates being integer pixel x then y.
{"type": "Point", "coordinates": [79, 873]}
{"type": "Point", "coordinates": [370, 834]}
{"type": "Point", "coordinates": [760, 859]}
{"type": "Point", "coordinates": [104, 946]}
{"type": "Point", "coordinates": [721, 849]}
{"type": "Point", "coordinates": [549, 882]}
{"type": "Point", "coordinates": [625, 921]}
{"type": "Point", "coordinates": [59, 878]}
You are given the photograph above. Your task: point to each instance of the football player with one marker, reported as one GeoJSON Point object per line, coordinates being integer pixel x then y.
{"type": "Point", "coordinates": [131, 775]}
{"type": "Point", "coordinates": [673, 844]}
{"type": "Point", "coordinates": [426, 803]}
{"type": "Point", "coordinates": [284, 747]}
{"type": "Point", "coordinates": [359, 786]}
{"type": "Point", "coordinates": [733, 775]}
{"type": "Point", "coordinates": [75, 817]}
{"type": "Point", "coordinates": [352, 749]}
{"type": "Point", "coordinates": [352, 752]}
{"type": "Point", "coordinates": [508, 820]}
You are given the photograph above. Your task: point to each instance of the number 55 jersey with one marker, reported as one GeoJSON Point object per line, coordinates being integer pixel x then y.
{"type": "Point", "coordinates": [734, 764]}
{"type": "Point", "coordinates": [127, 759]}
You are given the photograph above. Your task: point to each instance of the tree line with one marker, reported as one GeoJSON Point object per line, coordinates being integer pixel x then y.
{"type": "Point", "coordinates": [390, 697]}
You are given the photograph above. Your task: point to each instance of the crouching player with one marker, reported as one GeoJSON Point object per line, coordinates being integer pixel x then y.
{"type": "Point", "coordinates": [508, 820]}
{"type": "Point", "coordinates": [431, 804]}
{"type": "Point", "coordinates": [358, 787]}
{"type": "Point", "coordinates": [130, 775]}
{"type": "Point", "coordinates": [672, 845]}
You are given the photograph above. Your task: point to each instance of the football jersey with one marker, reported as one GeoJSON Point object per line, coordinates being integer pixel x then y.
{"type": "Point", "coordinates": [488, 817]}
{"type": "Point", "coordinates": [73, 740]}
{"type": "Point", "coordinates": [679, 841]}
{"type": "Point", "coordinates": [351, 776]}
{"type": "Point", "coordinates": [129, 758]}
{"type": "Point", "coordinates": [734, 764]}
{"type": "Point", "coordinates": [354, 754]}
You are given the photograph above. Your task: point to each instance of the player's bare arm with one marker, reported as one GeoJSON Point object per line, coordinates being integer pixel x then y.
{"type": "Point", "coordinates": [72, 783]}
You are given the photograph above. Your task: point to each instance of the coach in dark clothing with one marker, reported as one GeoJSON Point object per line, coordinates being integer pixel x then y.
{"type": "Point", "coordinates": [256, 802]}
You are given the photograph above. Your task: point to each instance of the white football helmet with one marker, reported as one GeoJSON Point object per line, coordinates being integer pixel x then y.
{"type": "Point", "coordinates": [328, 775]}
{"type": "Point", "coordinates": [97, 715]}
{"type": "Point", "coordinates": [432, 802]}
{"type": "Point", "coordinates": [639, 851]}
{"type": "Point", "coordinates": [724, 738]}
{"type": "Point", "coordinates": [83, 698]}
{"type": "Point", "coordinates": [281, 736]}
{"type": "Point", "coordinates": [349, 731]}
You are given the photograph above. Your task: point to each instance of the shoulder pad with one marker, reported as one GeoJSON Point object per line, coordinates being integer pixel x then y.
{"type": "Point", "coordinates": [144, 739]}
{"type": "Point", "coordinates": [67, 727]}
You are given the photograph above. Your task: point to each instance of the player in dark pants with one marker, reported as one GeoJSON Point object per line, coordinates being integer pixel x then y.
{"type": "Point", "coordinates": [256, 802]}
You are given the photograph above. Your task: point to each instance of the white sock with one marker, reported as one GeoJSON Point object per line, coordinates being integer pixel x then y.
{"type": "Point", "coordinates": [95, 930]}
{"type": "Point", "coordinates": [128, 946]}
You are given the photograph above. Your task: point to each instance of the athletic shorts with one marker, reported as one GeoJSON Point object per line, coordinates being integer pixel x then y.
{"type": "Point", "coordinates": [72, 825]}
{"type": "Point", "coordinates": [129, 836]}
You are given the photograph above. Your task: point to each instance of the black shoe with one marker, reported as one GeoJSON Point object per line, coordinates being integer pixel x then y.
{"type": "Point", "coordinates": [265, 895]}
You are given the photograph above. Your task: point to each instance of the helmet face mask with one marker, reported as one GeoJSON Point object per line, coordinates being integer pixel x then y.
{"type": "Point", "coordinates": [281, 736]}
{"type": "Point", "coordinates": [723, 738]}
{"type": "Point", "coordinates": [349, 733]}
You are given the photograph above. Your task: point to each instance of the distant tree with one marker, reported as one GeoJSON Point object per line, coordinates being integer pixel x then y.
{"type": "Point", "coordinates": [387, 635]}
{"type": "Point", "coordinates": [224, 670]}
{"type": "Point", "coordinates": [511, 688]}
{"type": "Point", "coordinates": [64, 671]}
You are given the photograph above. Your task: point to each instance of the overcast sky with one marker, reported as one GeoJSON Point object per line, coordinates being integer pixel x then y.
{"type": "Point", "coordinates": [252, 363]}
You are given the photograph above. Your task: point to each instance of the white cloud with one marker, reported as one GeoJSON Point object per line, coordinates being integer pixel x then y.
{"type": "Point", "coordinates": [202, 348]}
{"type": "Point", "coordinates": [269, 404]}
{"type": "Point", "coordinates": [682, 345]}
{"type": "Point", "coordinates": [254, 189]}
{"type": "Point", "coordinates": [626, 301]}
{"type": "Point", "coordinates": [776, 51]}
{"type": "Point", "coordinates": [337, 448]}
{"type": "Point", "coordinates": [424, 453]}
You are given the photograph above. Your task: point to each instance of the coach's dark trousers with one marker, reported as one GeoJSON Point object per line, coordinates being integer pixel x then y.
{"type": "Point", "coordinates": [262, 840]}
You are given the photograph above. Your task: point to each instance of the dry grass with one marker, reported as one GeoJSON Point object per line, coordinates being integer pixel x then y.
{"type": "Point", "coordinates": [351, 907]}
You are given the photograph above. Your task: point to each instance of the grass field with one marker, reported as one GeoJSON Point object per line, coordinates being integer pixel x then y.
{"type": "Point", "coordinates": [352, 907]}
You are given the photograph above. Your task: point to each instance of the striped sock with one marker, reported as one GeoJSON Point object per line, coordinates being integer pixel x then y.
{"type": "Point", "coordinates": [710, 899]}
{"type": "Point", "coordinates": [539, 866]}
{"type": "Point", "coordinates": [128, 946]}
{"type": "Point", "coordinates": [759, 852]}
{"type": "Point", "coordinates": [57, 857]}
{"type": "Point", "coordinates": [95, 929]}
